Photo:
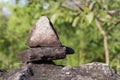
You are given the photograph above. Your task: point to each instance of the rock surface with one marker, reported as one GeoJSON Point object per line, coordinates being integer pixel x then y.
{"type": "Point", "coordinates": [44, 43]}
{"type": "Point", "coordinates": [50, 71]}
{"type": "Point", "coordinates": [36, 61]}
{"type": "Point", "coordinates": [42, 53]}
{"type": "Point", "coordinates": [43, 34]}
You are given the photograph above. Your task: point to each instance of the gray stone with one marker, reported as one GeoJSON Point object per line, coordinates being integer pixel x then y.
{"type": "Point", "coordinates": [45, 46]}
{"type": "Point", "coordinates": [49, 71]}
{"type": "Point", "coordinates": [22, 73]}
{"type": "Point", "coordinates": [42, 53]}
{"type": "Point", "coordinates": [43, 34]}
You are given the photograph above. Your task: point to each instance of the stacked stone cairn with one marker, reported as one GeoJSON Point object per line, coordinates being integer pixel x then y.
{"type": "Point", "coordinates": [44, 44]}
{"type": "Point", "coordinates": [44, 47]}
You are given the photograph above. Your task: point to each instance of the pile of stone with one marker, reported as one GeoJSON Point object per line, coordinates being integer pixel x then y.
{"type": "Point", "coordinates": [44, 44]}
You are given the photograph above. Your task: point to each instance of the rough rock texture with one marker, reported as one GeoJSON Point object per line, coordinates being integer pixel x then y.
{"type": "Point", "coordinates": [36, 61]}
{"type": "Point", "coordinates": [50, 71]}
{"type": "Point", "coordinates": [44, 43]}
{"type": "Point", "coordinates": [2, 73]}
{"type": "Point", "coordinates": [43, 34]}
{"type": "Point", "coordinates": [42, 53]}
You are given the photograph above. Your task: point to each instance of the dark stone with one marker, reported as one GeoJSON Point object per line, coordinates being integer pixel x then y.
{"type": "Point", "coordinates": [43, 34]}
{"type": "Point", "coordinates": [2, 73]}
{"type": "Point", "coordinates": [69, 50]}
{"type": "Point", "coordinates": [91, 71]}
{"type": "Point", "coordinates": [42, 53]}
{"type": "Point", "coordinates": [23, 73]}
{"type": "Point", "coordinates": [44, 44]}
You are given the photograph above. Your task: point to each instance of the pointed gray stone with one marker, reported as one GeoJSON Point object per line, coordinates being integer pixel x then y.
{"type": "Point", "coordinates": [43, 34]}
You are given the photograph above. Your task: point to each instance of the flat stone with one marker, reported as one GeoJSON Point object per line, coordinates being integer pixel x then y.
{"type": "Point", "coordinates": [43, 34]}
{"type": "Point", "coordinates": [41, 54]}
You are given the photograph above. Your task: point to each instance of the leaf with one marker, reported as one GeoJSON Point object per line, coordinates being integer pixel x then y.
{"type": "Point", "coordinates": [54, 18]}
{"type": "Point", "coordinates": [92, 5]}
{"type": "Point", "coordinates": [90, 17]}
{"type": "Point", "coordinates": [75, 21]}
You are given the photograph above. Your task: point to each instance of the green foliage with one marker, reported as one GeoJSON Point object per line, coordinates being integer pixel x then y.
{"type": "Point", "coordinates": [75, 25]}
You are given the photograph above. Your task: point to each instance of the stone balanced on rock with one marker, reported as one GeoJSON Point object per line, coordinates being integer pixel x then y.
{"type": "Point", "coordinates": [44, 46]}
{"type": "Point", "coordinates": [44, 43]}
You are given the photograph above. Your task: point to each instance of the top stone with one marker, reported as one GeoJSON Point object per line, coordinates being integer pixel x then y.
{"type": "Point", "coordinates": [43, 34]}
